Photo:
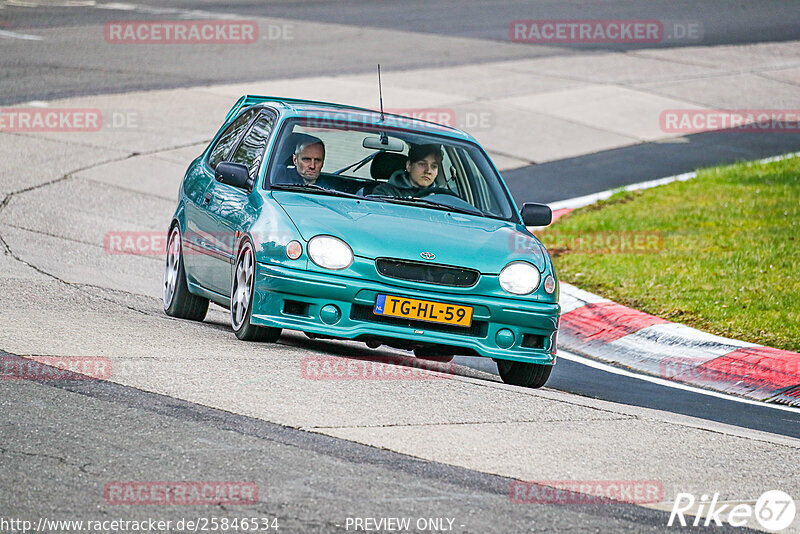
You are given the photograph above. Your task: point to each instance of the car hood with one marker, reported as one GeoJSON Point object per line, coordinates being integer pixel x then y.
{"type": "Point", "coordinates": [381, 229]}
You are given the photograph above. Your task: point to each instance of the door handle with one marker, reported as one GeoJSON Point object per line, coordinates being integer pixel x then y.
{"type": "Point", "coordinates": [207, 198]}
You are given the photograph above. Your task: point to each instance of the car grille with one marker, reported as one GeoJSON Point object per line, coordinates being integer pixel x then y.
{"type": "Point", "coordinates": [360, 312]}
{"type": "Point", "coordinates": [430, 273]}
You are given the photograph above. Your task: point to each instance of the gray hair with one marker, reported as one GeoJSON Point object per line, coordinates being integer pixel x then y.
{"type": "Point", "coordinates": [303, 144]}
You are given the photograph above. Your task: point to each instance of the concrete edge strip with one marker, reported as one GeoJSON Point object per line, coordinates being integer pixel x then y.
{"type": "Point", "coordinates": [604, 330]}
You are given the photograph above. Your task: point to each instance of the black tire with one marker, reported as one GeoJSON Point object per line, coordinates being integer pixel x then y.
{"type": "Point", "coordinates": [242, 308]}
{"type": "Point", "coordinates": [433, 355]}
{"type": "Point", "coordinates": [529, 375]}
{"type": "Point", "coordinates": [178, 302]}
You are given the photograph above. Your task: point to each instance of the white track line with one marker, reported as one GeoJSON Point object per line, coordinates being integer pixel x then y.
{"type": "Point", "coordinates": [155, 10]}
{"type": "Point", "coordinates": [14, 35]}
{"type": "Point", "coordinates": [669, 383]}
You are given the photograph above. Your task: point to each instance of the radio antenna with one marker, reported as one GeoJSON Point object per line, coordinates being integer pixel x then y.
{"type": "Point", "coordinates": [380, 90]}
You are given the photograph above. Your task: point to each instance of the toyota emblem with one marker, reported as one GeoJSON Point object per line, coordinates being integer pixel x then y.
{"type": "Point", "coordinates": [427, 255]}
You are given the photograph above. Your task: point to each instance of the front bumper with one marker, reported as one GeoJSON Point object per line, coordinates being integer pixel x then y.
{"type": "Point", "coordinates": [294, 299]}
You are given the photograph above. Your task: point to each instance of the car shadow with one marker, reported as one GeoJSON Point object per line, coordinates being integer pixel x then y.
{"type": "Point", "coordinates": [467, 366]}
{"type": "Point", "coordinates": [350, 350]}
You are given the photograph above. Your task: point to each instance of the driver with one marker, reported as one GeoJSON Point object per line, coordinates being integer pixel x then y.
{"type": "Point", "coordinates": [421, 170]}
{"type": "Point", "coordinates": [308, 158]}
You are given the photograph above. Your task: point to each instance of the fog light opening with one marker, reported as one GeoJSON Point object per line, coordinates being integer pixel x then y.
{"type": "Point", "coordinates": [330, 314]}
{"type": "Point", "coordinates": [504, 338]}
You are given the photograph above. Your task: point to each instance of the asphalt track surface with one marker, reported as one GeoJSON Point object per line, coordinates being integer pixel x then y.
{"type": "Point", "coordinates": [91, 66]}
{"type": "Point", "coordinates": [609, 169]}
{"type": "Point", "coordinates": [105, 421]}
{"type": "Point", "coordinates": [636, 390]}
{"type": "Point", "coordinates": [40, 71]}
{"type": "Point", "coordinates": [601, 384]}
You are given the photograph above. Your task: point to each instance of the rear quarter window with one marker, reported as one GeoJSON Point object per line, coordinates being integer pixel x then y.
{"type": "Point", "coordinates": [229, 138]}
{"type": "Point", "coordinates": [251, 150]}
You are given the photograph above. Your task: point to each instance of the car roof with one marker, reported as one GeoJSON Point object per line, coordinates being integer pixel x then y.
{"type": "Point", "coordinates": [296, 107]}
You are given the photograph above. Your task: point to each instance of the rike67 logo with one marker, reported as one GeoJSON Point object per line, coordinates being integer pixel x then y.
{"type": "Point", "coordinates": [774, 511]}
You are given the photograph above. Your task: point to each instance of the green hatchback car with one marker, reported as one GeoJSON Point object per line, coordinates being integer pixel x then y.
{"type": "Point", "coordinates": [348, 223]}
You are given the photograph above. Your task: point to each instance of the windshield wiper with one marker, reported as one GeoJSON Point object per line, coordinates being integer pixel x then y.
{"type": "Point", "coordinates": [436, 205]}
{"type": "Point", "coordinates": [314, 188]}
{"type": "Point", "coordinates": [357, 164]}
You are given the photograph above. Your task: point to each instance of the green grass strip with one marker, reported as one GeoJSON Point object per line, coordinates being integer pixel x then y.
{"type": "Point", "coordinates": [720, 252]}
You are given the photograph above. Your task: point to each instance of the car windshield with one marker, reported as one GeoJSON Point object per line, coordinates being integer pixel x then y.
{"type": "Point", "coordinates": [373, 162]}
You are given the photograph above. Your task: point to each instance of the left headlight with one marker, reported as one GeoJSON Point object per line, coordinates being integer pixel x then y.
{"type": "Point", "coordinates": [330, 252]}
{"type": "Point", "coordinates": [519, 278]}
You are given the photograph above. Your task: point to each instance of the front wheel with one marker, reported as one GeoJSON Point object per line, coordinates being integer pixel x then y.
{"type": "Point", "coordinates": [529, 375]}
{"type": "Point", "coordinates": [244, 279]}
{"type": "Point", "coordinates": [178, 302]}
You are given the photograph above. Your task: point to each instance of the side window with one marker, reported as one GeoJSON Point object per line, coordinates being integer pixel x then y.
{"type": "Point", "coordinates": [251, 150]}
{"type": "Point", "coordinates": [228, 139]}
{"type": "Point", "coordinates": [486, 193]}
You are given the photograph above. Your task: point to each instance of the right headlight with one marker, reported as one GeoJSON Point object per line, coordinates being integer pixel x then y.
{"type": "Point", "coordinates": [519, 278]}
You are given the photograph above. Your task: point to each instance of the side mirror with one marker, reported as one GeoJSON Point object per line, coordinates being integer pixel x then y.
{"type": "Point", "coordinates": [234, 174]}
{"type": "Point", "coordinates": [534, 214]}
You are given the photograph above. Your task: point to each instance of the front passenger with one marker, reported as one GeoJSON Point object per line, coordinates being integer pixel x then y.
{"type": "Point", "coordinates": [417, 179]}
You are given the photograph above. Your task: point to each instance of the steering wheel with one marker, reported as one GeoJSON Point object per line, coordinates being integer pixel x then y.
{"type": "Point", "coordinates": [437, 191]}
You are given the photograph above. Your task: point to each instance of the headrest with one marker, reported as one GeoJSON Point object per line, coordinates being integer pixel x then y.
{"type": "Point", "coordinates": [385, 163]}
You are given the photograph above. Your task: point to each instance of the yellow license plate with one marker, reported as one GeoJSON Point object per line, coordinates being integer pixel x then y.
{"type": "Point", "coordinates": [423, 310]}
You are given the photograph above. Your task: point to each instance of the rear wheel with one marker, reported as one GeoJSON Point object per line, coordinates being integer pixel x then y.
{"type": "Point", "coordinates": [178, 302]}
{"type": "Point", "coordinates": [244, 279]}
{"type": "Point", "coordinates": [529, 375]}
